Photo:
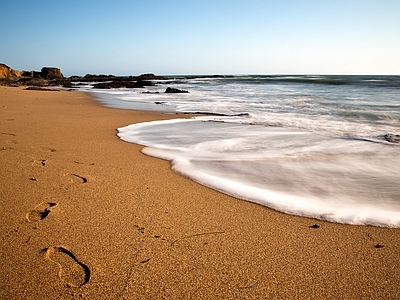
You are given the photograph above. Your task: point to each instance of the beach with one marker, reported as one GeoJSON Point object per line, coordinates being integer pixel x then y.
{"type": "Point", "coordinates": [86, 215]}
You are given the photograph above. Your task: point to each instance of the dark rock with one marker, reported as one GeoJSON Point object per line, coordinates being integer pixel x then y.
{"type": "Point", "coordinates": [31, 74]}
{"type": "Point", "coordinates": [51, 73]}
{"type": "Point", "coordinates": [33, 81]}
{"type": "Point", "coordinates": [112, 85]}
{"type": "Point", "coordinates": [37, 74]}
{"type": "Point", "coordinates": [69, 85]}
{"type": "Point", "coordinates": [173, 90]}
{"type": "Point", "coordinates": [148, 92]}
{"type": "Point", "coordinates": [75, 78]}
{"type": "Point", "coordinates": [108, 85]}
{"type": "Point", "coordinates": [116, 84]}
{"type": "Point", "coordinates": [149, 77]}
{"type": "Point", "coordinates": [38, 88]}
{"type": "Point", "coordinates": [101, 77]}
{"type": "Point", "coordinates": [50, 76]}
{"type": "Point", "coordinates": [9, 82]}
{"type": "Point", "coordinates": [392, 138]}
{"type": "Point", "coordinates": [143, 83]}
{"type": "Point", "coordinates": [27, 74]}
{"type": "Point", "coordinates": [207, 76]}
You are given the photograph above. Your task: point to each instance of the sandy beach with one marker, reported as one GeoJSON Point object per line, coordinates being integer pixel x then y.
{"type": "Point", "coordinates": [86, 215]}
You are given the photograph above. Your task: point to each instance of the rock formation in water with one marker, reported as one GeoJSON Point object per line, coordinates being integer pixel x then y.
{"type": "Point", "coordinates": [173, 90]}
{"type": "Point", "coordinates": [51, 76]}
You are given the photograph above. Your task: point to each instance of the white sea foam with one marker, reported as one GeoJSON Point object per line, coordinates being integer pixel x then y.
{"type": "Point", "coordinates": [290, 170]}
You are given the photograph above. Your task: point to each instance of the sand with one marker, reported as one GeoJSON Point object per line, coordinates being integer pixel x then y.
{"type": "Point", "coordinates": [86, 215]}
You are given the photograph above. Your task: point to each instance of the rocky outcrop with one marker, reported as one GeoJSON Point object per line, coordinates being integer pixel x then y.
{"type": "Point", "coordinates": [7, 72]}
{"type": "Point", "coordinates": [102, 78]}
{"type": "Point", "coordinates": [51, 76]}
{"type": "Point", "coordinates": [174, 90]}
{"type": "Point", "coordinates": [143, 83]}
{"type": "Point", "coordinates": [93, 77]}
{"type": "Point", "coordinates": [48, 76]}
{"type": "Point", "coordinates": [51, 73]}
{"type": "Point", "coordinates": [28, 73]}
{"type": "Point", "coordinates": [149, 76]}
{"type": "Point", "coordinates": [38, 88]}
{"type": "Point", "coordinates": [116, 84]}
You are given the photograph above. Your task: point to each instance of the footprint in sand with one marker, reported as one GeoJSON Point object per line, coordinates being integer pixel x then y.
{"type": "Point", "coordinates": [75, 178]}
{"type": "Point", "coordinates": [71, 271]}
{"type": "Point", "coordinates": [45, 149]}
{"type": "Point", "coordinates": [11, 142]}
{"type": "Point", "coordinates": [39, 162]}
{"type": "Point", "coordinates": [40, 212]}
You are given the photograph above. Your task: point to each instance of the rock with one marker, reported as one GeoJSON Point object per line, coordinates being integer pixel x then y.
{"type": "Point", "coordinates": [35, 81]}
{"type": "Point", "coordinates": [392, 138]}
{"type": "Point", "coordinates": [7, 72]}
{"type": "Point", "coordinates": [143, 83]}
{"type": "Point", "coordinates": [27, 74]}
{"type": "Point", "coordinates": [149, 76]}
{"type": "Point", "coordinates": [38, 88]}
{"type": "Point", "coordinates": [116, 84]}
{"type": "Point", "coordinates": [113, 85]}
{"type": "Point", "coordinates": [207, 76]}
{"type": "Point", "coordinates": [101, 77]}
{"type": "Point", "coordinates": [75, 78]}
{"type": "Point", "coordinates": [108, 85]}
{"type": "Point", "coordinates": [51, 73]}
{"type": "Point", "coordinates": [36, 74]}
{"type": "Point", "coordinates": [148, 92]}
{"type": "Point", "coordinates": [173, 90]}
{"type": "Point", "coordinates": [46, 77]}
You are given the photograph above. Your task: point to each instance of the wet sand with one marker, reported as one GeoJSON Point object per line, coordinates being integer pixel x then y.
{"type": "Point", "coordinates": [86, 215]}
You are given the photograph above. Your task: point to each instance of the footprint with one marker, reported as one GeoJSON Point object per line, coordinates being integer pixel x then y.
{"type": "Point", "coordinates": [6, 133]}
{"type": "Point", "coordinates": [11, 142]}
{"type": "Point", "coordinates": [40, 212]}
{"type": "Point", "coordinates": [44, 149]}
{"type": "Point", "coordinates": [75, 178]}
{"type": "Point", "coordinates": [39, 162]}
{"type": "Point", "coordinates": [71, 271]}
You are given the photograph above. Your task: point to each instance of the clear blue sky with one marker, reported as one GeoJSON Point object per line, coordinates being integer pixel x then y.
{"type": "Point", "coordinates": [124, 37]}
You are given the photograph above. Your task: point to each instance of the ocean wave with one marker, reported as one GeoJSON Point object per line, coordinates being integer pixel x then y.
{"type": "Point", "coordinates": [312, 145]}
{"type": "Point", "coordinates": [345, 180]}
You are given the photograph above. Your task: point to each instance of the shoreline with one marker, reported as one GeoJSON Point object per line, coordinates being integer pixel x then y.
{"type": "Point", "coordinates": [123, 225]}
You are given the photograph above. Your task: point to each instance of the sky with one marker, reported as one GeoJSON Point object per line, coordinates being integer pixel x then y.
{"type": "Point", "coordinates": [171, 37]}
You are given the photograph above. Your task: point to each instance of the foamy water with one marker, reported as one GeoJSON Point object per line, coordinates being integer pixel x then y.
{"type": "Point", "coordinates": [310, 146]}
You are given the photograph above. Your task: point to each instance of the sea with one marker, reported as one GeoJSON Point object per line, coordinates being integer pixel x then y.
{"type": "Point", "coordinates": [307, 145]}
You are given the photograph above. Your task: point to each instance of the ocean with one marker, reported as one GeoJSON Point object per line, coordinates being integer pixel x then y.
{"type": "Point", "coordinates": [314, 146]}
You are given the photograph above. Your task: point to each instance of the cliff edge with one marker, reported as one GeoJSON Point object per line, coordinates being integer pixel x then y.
{"type": "Point", "coordinates": [7, 72]}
